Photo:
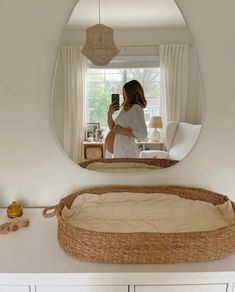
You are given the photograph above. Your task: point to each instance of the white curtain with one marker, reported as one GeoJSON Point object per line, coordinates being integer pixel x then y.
{"type": "Point", "coordinates": [74, 84]}
{"type": "Point", "coordinates": [174, 60]}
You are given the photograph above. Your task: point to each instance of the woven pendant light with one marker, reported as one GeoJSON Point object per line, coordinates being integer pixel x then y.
{"type": "Point", "coordinates": [100, 48]}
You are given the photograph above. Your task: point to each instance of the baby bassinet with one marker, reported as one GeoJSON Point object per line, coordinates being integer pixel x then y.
{"type": "Point", "coordinates": [144, 247]}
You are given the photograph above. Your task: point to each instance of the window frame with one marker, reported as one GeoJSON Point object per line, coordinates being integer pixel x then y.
{"type": "Point", "coordinates": [124, 63]}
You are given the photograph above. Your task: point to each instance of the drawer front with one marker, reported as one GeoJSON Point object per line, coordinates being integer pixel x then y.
{"type": "Point", "coordinates": [81, 289]}
{"type": "Point", "coordinates": [183, 288]}
{"type": "Point", "coordinates": [14, 288]}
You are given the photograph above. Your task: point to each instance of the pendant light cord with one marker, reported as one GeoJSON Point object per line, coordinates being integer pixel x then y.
{"type": "Point", "coordinates": [99, 11]}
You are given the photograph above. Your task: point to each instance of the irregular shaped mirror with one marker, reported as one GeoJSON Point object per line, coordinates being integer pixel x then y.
{"type": "Point", "coordinates": [154, 78]}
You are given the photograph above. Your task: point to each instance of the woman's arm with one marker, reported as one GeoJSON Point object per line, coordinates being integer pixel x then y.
{"type": "Point", "coordinates": [137, 128]}
{"type": "Point", "coordinates": [117, 129]}
{"type": "Point", "coordinates": [110, 122]}
{"type": "Point", "coordinates": [112, 108]}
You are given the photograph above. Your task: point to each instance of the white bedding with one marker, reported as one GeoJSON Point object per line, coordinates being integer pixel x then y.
{"type": "Point", "coordinates": [121, 167]}
{"type": "Point", "coordinates": [142, 212]}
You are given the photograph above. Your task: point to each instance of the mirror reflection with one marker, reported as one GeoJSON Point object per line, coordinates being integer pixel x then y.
{"type": "Point", "coordinates": [140, 112]}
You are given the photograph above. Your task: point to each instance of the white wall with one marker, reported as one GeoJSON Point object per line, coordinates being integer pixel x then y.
{"type": "Point", "coordinates": [33, 168]}
{"type": "Point", "coordinates": [195, 95]}
{"type": "Point", "coordinates": [135, 36]}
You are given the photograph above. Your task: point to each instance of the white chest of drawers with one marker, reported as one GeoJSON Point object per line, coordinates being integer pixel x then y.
{"type": "Point", "coordinates": [31, 260]}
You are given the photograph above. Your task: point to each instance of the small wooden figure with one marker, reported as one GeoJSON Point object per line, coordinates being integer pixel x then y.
{"type": "Point", "coordinates": [13, 225]}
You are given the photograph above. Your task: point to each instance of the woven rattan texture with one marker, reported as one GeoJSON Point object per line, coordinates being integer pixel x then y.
{"type": "Point", "coordinates": [145, 247]}
{"type": "Point", "coordinates": [162, 163]}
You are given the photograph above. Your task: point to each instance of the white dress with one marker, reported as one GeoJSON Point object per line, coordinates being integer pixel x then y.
{"type": "Point", "coordinates": [124, 146]}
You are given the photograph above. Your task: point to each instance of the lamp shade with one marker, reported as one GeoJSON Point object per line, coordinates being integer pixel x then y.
{"type": "Point", "coordinates": [100, 48]}
{"type": "Point", "coordinates": [155, 122]}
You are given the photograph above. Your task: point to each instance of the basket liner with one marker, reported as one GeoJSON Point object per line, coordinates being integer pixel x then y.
{"type": "Point", "coordinates": [141, 212]}
{"type": "Point", "coordinates": [127, 164]}
{"type": "Point", "coordinates": [145, 247]}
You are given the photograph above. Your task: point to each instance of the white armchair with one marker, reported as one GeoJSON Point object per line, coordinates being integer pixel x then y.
{"type": "Point", "coordinates": [179, 138]}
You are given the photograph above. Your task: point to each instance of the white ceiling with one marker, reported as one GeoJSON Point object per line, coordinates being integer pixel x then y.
{"type": "Point", "coordinates": [122, 14]}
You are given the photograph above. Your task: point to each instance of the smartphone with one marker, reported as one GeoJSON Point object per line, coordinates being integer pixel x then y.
{"type": "Point", "coordinates": [116, 99]}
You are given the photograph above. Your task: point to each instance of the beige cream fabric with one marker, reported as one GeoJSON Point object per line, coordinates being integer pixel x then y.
{"type": "Point", "coordinates": [120, 167]}
{"type": "Point", "coordinates": [138, 212]}
{"type": "Point", "coordinates": [74, 68]}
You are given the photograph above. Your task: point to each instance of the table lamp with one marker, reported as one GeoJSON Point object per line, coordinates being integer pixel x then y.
{"type": "Point", "coordinates": [155, 123]}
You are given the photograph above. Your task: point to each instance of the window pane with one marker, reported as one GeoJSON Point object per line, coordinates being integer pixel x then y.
{"type": "Point", "coordinates": [102, 82]}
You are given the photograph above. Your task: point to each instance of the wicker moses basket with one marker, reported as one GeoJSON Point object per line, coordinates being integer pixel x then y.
{"type": "Point", "coordinates": [157, 163]}
{"type": "Point", "coordinates": [144, 247]}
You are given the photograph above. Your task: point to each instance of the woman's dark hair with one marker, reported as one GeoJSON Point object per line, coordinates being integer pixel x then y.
{"type": "Point", "coordinates": [134, 94]}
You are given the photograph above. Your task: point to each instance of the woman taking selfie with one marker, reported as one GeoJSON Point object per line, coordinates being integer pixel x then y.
{"type": "Point", "coordinates": [129, 124]}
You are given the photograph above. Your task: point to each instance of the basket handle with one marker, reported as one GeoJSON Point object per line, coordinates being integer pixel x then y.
{"type": "Point", "coordinates": [50, 214]}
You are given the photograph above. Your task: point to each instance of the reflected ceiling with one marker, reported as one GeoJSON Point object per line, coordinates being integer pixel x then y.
{"type": "Point", "coordinates": [122, 14]}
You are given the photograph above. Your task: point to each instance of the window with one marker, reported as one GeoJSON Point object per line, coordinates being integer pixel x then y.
{"type": "Point", "coordinates": [102, 82]}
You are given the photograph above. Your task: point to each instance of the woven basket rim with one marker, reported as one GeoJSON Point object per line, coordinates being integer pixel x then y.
{"type": "Point", "coordinates": [119, 188]}
{"type": "Point", "coordinates": [161, 162]}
